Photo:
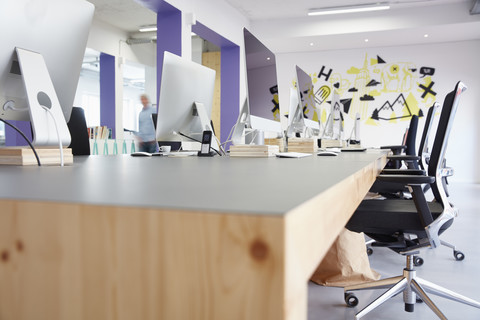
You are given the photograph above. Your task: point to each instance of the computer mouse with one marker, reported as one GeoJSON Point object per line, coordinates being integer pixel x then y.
{"type": "Point", "coordinates": [141, 154]}
{"type": "Point", "coordinates": [327, 154]}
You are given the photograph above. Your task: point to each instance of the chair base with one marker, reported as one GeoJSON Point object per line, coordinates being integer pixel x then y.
{"type": "Point", "coordinates": [457, 254]}
{"type": "Point", "coordinates": [411, 286]}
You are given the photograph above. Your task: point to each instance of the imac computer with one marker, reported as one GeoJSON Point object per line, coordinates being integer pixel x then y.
{"type": "Point", "coordinates": [185, 100]}
{"type": "Point", "coordinates": [261, 109]}
{"type": "Point", "coordinates": [307, 104]}
{"type": "Point", "coordinates": [41, 54]}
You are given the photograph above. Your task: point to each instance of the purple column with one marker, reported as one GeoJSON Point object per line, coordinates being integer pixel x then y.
{"type": "Point", "coordinates": [13, 138]}
{"type": "Point", "coordinates": [169, 36]}
{"type": "Point", "coordinates": [230, 77]}
{"type": "Point", "coordinates": [107, 91]}
{"type": "Point", "coordinates": [230, 89]}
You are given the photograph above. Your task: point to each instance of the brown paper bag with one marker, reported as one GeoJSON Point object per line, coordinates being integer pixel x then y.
{"type": "Point", "coordinates": [345, 263]}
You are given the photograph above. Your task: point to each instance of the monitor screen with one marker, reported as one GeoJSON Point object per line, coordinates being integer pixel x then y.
{"type": "Point", "coordinates": [262, 86]}
{"type": "Point", "coordinates": [306, 96]}
{"type": "Point", "coordinates": [58, 30]}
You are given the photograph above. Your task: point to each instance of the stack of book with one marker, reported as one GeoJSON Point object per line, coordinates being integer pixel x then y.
{"type": "Point", "coordinates": [303, 145]}
{"type": "Point", "coordinates": [24, 156]}
{"type": "Point", "coordinates": [99, 132]}
{"type": "Point", "coordinates": [253, 151]}
{"type": "Point", "coordinates": [276, 142]}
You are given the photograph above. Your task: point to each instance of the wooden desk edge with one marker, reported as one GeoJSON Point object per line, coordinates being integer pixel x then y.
{"type": "Point", "coordinates": [72, 261]}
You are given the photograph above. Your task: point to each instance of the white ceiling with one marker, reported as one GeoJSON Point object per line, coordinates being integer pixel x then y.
{"type": "Point", "coordinates": [126, 15]}
{"type": "Point", "coordinates": [284, 26]}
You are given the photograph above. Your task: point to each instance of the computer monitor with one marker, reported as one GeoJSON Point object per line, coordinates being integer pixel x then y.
{"type": "Point", "coordinates": [57, 31]}
{"type": "Point", "coordinates": [306, 98]}
{"type": "Point", "coordinates": [185, 100]}
{"type": "Point", "coordinates": [262, 85]}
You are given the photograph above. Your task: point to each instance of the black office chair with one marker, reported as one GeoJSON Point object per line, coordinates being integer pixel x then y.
{"type": "Point", "coordinates": [416, 165]}
{"type": "Point", "coordinates": [406, 226]}
{"type": "Point", "coordinates": [407, 146]}
{"type": "Point", "coordinates": [77, 126]}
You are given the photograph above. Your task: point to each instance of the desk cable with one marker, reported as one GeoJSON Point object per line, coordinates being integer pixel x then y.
{"type": "Point", "coordinates": [58, 134]}
{"type": "Point", "coordinates": [193, 139]}
{"type": "Point", "coordinates": [26, 139]}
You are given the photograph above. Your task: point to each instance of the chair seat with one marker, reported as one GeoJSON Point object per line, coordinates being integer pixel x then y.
{"type": "Point", "coordinates": [391, 216]}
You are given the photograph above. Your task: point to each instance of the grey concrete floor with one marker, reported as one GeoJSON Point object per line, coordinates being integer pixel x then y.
{"type": "Point", "coordinates": [439, 267]}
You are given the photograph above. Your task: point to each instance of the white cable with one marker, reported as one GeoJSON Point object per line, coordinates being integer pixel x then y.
{"type": "Point", "coordinates": [58, 134]}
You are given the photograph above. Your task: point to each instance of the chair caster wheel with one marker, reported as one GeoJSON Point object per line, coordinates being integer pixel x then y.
{"type": "Point", "coordinates": [369, 251]}
{"type": "Point", "coordinates": [459, 256]}
{"type": "Point", "coordinates": [417, 261]}
{"type": "Point", "coordinates": [351, 300]}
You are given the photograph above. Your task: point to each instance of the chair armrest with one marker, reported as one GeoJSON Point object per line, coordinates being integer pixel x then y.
{"type": "Point", "coordinates": [403, 157]}
{"type": "Point", "coordinates": [395, 149]}
{"type": "Point", "coordinates": [410, 172]}
{"type": "Point", "coordinates": [406, 179]}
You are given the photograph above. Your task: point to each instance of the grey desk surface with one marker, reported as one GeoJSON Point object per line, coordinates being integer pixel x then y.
{"type": "Point", "coordinates": [220, 184]}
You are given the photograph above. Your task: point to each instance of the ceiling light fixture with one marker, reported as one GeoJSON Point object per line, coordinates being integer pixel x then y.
{"type": "Point", "coordinates": [349, 9]}
{"type": "Point", "coordinates": [148, 28]}
{"type": "Point", "coordinates": [425, 35]}
{"type": "Point", "coordinates": [311, 44]}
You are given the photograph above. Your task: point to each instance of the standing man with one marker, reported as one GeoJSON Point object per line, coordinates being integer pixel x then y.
{"type": "Point", "coordinates": [146, 130]}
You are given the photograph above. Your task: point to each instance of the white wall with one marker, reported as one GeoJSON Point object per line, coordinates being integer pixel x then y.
{"type": "Point", "coordinates": [218, 15]}
{"type": "Point", "coordinates": [106, 38]}
{"type": "Point", "coordinates": [88, 84]}
{"type": "Point", "coordinates": [452, 62]}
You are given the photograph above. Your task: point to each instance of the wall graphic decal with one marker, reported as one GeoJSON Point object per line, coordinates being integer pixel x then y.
{"type": "Point", "coordinates": [276, 103]}
{"type": "Point", "coordinates": [381, 91]}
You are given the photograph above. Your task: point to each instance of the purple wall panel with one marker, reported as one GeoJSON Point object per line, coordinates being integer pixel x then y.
{"type": "Point", "coordinates": [169, 37]}
{"type": "Point", "coordinates": [230, 90]}
{"type": "Point", "coordinates": [208, 34]}
{"type": "Point", "coordinates": [230, 77]}
{"type": "Point", "coordinates": [107, 91]}
{"type": "Point", "coordinates": [13, 138]}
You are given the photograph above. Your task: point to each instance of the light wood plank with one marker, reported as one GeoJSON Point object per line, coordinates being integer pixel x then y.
{"type": "Point", "coordinates": [311, 229]}
{"type": "Point", "coordinates": [213, 61]}
{"type": "Point", "coordinates": [86, 262]}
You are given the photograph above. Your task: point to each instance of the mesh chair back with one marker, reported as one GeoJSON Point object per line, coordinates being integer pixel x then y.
{"type": "Point", "coordinates": [422, 148]}
{"type": "Point", "coordinates": [445, 124]}
{"type": "Point", "coordinates": [78, 131]}
{"type": "Point", "coordinates": [412, 136]}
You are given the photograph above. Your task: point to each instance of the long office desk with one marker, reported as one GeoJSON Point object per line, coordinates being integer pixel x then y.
{"type": "Point", "coordinates": [172, 238]}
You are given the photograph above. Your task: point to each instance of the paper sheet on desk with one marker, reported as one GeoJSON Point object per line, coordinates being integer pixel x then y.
{"type": "Point", "coordinates": [345, 263]}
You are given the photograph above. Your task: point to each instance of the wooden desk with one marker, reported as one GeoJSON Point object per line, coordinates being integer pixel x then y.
{"type": "Point", "coordinates": [172, 238]}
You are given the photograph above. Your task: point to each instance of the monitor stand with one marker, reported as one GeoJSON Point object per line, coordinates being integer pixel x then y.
{"type": "Point", "coordinates": [297, 125]}
{"type": "Point", "coordinates": [40, 92]}
{"type": "Point", "coordinates": [243, 123]}
{"type": "Point", "coordinates": [205, 122]}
